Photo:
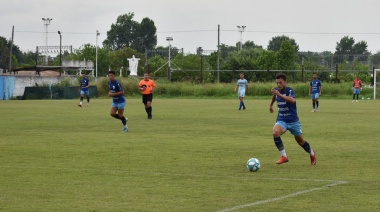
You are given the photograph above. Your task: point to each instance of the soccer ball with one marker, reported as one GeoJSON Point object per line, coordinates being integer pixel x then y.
{"type": "Point", "coordinates": [253, 164]}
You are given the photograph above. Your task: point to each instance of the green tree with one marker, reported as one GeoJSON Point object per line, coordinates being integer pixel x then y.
{"type": "Point", "coordinates": [145, 36]}
{"type": "Point", "coordinates": [276, 42]}
{"type": "Point", "coordinates": [128, 33]}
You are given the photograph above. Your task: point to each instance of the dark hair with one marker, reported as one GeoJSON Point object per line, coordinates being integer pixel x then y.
{"type": "Point", "coordinates": [112, 72]}
{"type": "Point", "coordinates": [281, 76]}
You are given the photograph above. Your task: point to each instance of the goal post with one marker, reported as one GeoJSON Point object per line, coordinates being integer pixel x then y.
{"type": "Point", "coordinates": [376, 91]}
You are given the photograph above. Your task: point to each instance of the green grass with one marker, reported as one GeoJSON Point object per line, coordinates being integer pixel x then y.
{"type": "Point", "coordinates": [55, 156]}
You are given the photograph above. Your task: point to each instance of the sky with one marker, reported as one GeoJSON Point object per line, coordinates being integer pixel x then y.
{"type": "Point", "coordinates": [315, 25]}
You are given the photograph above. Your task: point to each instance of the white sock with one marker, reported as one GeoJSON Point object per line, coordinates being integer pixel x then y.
{"type": "Point", "coordinates": [283, 153]}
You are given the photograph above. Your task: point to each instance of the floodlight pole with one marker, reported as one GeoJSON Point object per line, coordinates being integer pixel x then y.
{"type": "Point", "coordinates": [241, 30]}
{"type": "Point", "coordinates": [170, 69]}
{"type": "Point", "coordinates": [46, 23]}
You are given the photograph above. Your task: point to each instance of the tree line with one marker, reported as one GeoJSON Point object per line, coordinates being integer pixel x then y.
{"type": "Point", "coordinates": [128, 37]}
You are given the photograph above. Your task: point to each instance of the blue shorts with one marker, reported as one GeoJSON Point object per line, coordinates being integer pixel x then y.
{"type": "Point", "coordinates": [315, 96]}
{"type": "Point", "coordinates": [85, 92]}
{"type": "Point", "coordinates": [356, 90]}
{"type": "Point", "coordinates": [119, 106]}
{"type": "Point", "coordinates": [294, 127]}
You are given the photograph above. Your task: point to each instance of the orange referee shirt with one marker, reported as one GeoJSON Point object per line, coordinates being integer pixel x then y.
{"type": "Point", "coordinates": [150, 85]}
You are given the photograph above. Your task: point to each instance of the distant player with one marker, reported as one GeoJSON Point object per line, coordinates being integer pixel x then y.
{"type": "Point", "coordinates": [118, 100]}
{"type": "Point", "coordinates": [242, 88]}
{"type": "Point", "coordinates": [315, 90]}
{"type": "Point", "coordinates": [287, 119]}
{"type": "Point", "coordinates": [357, 86]}
{"type": "Point", "coordinates": [84, 90]}
{"type": "Point", "coordinates": [147, 87]}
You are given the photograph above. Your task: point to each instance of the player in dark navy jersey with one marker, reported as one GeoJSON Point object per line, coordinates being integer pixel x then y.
{"type": "Point", "coordinates": [118, 100]}
{"type": "Point", "coordinates": [315, 91]}
{"type": "Point", "coordinates": [287, 119]}
{"type": "Point", "coordinates": [84, 90]}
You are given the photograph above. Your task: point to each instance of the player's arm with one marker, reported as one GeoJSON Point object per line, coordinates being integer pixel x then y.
{"type": "Point", "coordinates": [289, 99]}
{"type": "Point", "coordinates": [271, 103]}
{"type": "Point", "coordinates": [320, 89]}
{"type": "Point", "coordinates": [119, 93]}
{"type": "Point", "coordinates": [310, 89]}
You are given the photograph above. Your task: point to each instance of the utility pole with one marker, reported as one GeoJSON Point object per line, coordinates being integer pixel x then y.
{"type": "Point", "coordinates": [96, 54]}
{"type": "Point", "coordinates": [10, 52]}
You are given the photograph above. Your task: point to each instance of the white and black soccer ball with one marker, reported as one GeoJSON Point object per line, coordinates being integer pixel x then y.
{"type": "Point", "coordinates": [253, 165]}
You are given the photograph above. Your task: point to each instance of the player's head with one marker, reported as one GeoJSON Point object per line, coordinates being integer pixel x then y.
{"type": "Point", "coordinates": [241, 75]}
{"type": "Point", "coordinates": [111, 75]}
{"type": "Point", "coordinates": [315, 76]}
{"type": "Point", "coordinates": [281, 80]}
{"type": "Point", "coordinates": [146, 76]}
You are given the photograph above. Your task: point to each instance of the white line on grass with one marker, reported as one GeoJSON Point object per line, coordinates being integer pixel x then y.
{"type": "Point", "coordinates": [281, 197]}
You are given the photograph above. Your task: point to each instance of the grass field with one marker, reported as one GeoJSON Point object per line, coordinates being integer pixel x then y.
{"type": "Point", "coordinates": [55, 156]}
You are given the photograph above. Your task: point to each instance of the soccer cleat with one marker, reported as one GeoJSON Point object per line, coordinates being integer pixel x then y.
{"type": "Point", "coordinates": [356, 100]}
{"type": "Point", "coordinates": [79, 105]}
{"type": "Point", "coordinates": [313, 159]}
{"type": "Point", "coordinates": [239, 108]}
{"type": "Point", "coordinates": [313, 111]}
{"type": "Point", "coordinates": [243, 107]}
{"type": "Point", "coordinates": [125, 128]}
{"type": "Point", "coordinates": [88, 105]}
{"type": "Point", "coordinates": [149, 116]}
{"type": "Point", "coordinates": [282, 160]}
{"type": "Point", "coordinates": [353, 100]}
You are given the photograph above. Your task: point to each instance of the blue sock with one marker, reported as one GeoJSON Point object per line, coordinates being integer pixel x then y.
{"type": "Point", "coordinates": [278, 143]}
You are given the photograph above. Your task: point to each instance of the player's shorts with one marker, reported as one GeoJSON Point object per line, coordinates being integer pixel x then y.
{"type": "Point", "coordinates": [85, 92]}
{"type": "Point", "coordinates": [241, 93]}
{"type": "Point", "coordinates": [147, 98]}
{"type": "Point", "coordinates": [119, 106]}
{"type": "Point", "coordinates": [294, 127]}
{"type": "Point", "coordinates": [356, 90]}
{"type": "Point", "coordinates": [315, 96]}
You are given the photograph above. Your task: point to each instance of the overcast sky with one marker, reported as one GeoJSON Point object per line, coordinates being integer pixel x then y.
{"type": "Point", "coordinates": [315, 25]}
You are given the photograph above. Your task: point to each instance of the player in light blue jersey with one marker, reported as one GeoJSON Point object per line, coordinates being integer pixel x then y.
{"type": "Point", "coordinates": [84, 90]}
{"type": "Point", "coordinates": [242, 88]}
{"type": "Point", "coordinates": [118, 100]}
{"type": "Point", "coordinates": [287, 119]}
{"type": "Point", "coordinates": [315, 91]}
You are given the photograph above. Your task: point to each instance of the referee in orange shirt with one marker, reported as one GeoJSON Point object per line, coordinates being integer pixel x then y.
{"type": "Point", "coordinates": [147, 87]}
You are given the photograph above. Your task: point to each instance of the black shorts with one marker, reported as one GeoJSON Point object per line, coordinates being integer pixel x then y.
{"type": "Point", "coordinates": [147, 98]}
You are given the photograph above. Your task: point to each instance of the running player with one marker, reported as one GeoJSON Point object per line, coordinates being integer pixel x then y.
{"type": "Point", "coordinates": [287, 119]}
{"type": "Point", "coordinates": [84, 90]}
{"type": "Point", "coordinates": [315, 90]}
{"type": "Point", "coordinates": [241, 87]}
{"type": "Point", "coordinates": [118, 100]}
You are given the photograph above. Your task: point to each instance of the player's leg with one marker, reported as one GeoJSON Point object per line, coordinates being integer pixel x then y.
{"type": "Point", "coordinates": [296, 130]}
{"type": "Point", "coordinates": [313, 102]}
{"type": "Point", "coordinates": [316, 98]}
{"type": "Point", "coordinates": [81, 99]}
{"type": "Point", "coordinates": [88, 98]}
{"type": "Point", "coordinates": [149, 109]}
{"type": "Point", "coordinates": [145, 102]}
{"type": "Point", "coordinates": [278, 129]}
{"type": "Point", "coordinates": [149, 105]}
{"type": "Point", "coordinates": [124, 120]}
{"type": "Point", "coordinates": [113, 111]}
